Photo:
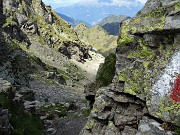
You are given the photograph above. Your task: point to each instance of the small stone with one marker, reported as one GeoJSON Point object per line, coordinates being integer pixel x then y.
{"type": "Point", "coordinates": [67, 105]}
{"type": "Point", "coordinates": [53, 104]}
{"type": "Point", "coordinates": [4, 85]}
{"type": "Point", "coordinates": [51, 131]}
{"type": "Point", "coordinates": [43, 117]}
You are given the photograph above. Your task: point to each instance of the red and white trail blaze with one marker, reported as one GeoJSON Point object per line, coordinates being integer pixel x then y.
{"type": "Point", "coordinates": [169, 82]}
{"type": "Point", "coordinates": [175, 95]}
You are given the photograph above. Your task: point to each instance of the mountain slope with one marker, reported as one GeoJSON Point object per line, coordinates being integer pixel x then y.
{"type": "Point", "coordinates": [112, 24]}
{"type": "Point", "coordinates": [97, 37]}
{"type": "Point", "coordinates": [43, 69]}
{"type": "Point", "coordinates": [73, 21]}
{"type": "Point", "coordinates": [47, 35]}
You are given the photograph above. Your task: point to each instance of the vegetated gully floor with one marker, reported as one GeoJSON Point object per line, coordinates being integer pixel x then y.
{"type": "Point", "coordinates": [73, 123]}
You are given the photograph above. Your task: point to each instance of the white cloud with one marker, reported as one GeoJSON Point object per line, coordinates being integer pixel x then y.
{"type": "Point", "coordinates": [59, 3]}
{"type": "Point", "coordinates": [127, 3]}
{"type": "Point", "coordinates": [142, 1]}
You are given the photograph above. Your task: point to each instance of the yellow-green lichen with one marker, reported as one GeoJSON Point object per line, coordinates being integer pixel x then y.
{"type": "Point", "coordinates": [137, 79]}
{"type": "Point", "coordinates": [122, 77]}
{"type": "Point", "coordinates": [144, 52]}
{"type": "Point", "coordinates": [129, 90]}
{"type": "Point", "coordinates": [110, 124]}
{"type": "Point", "coordinates": [125, 37]}
{"type": "Point", "coordinates": [90, 124]}
{"type": "Point", "coordinates": [155, 22]}
{"type": "Point", "coordinates": [9, 22]}
{"type": "Point", "coordinates": [133, 29]}
{"type": "Point", "coordinates": [146, 64]}
{"type": "Point", "coordinates": [94, 110]}
{"type": "Point", "coordinates": [177, 7]}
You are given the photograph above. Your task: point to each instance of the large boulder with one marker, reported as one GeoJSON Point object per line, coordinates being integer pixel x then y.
{"type": "Point", "coordinates": [145, 93]}
{"type": "Point", "coordinates": [151, 42]}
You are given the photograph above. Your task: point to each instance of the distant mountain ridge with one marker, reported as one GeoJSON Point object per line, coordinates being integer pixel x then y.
{"type": "Point", "coordinates": [73, 21]}
{"type": "Point", "coordinates": [92, 14]}
{"type": "Point", "coordinates": [111, 23]}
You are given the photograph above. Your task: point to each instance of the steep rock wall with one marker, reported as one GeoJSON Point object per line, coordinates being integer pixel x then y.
{"type": "Point", "coordinates": [140, 100]}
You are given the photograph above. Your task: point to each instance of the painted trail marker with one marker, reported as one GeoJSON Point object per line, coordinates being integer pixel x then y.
{"type": "Point", "coordinates": [169, 82]}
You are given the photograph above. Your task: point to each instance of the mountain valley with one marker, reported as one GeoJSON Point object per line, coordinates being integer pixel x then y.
{"type": "Point", "coordinates": [120, 77]}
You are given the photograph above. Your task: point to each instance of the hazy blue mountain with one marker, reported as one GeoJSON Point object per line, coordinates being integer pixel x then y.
{"type": "Point", "coordinates": [93, 14]}
{"type": "Point", "coordinates": [111, 23]}
{"type": "Point", "coordinates": [73, 21]}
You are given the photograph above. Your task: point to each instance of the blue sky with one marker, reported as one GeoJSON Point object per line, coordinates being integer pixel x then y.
{"type": "Point", "coordinates": [64, 3]}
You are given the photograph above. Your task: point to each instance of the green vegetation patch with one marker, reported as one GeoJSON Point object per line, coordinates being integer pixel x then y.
{"type": "Point", "coordinates": [54, 110]}
{"type": "Point", "coordinates": [106, 71]}
{"type": "Point", "coordinates": [23, 123]}
{"type": "Point", "coordinates": [86, 112]}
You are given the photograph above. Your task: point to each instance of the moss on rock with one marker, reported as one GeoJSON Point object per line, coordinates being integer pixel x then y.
{"type": "Point", "coordinates": [106, 71]}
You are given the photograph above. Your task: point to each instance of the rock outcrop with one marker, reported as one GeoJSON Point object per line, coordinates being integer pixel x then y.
{"type": "Point", "coordinates": [144, 95]}
{"type": "Point", "coordinates": [33, 17]}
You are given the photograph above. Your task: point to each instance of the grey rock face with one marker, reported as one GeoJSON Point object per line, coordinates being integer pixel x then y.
{"type": "Point", "coordinates": [21, 18]}
{"type": "Point", "coordinates": [151, 127]}
{"type": "Point", "coordinates": [74, 51]}
{"type": "Point", "coordinates": [129, 131]}
{"type": "Point", "coordinates": [147, 69]}
{"type": "Point", "coordinates": [150, 6]}
{"type": "Point", "coordinates": [172, 22]}
{"type": "Point", "coordinates": [5, 86]}
{"type": "Point", "coordinates": [10, 5]}
{"type": "Point", "coordinates": [4, 122]}
{"type": "Point", "coordinates": [116, 108]}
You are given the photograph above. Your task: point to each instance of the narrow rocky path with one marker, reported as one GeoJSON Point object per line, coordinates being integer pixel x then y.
{"type": "Point", "coordinates": [50, 94]}
{"type": "Point", "coordinates": [70, 126]}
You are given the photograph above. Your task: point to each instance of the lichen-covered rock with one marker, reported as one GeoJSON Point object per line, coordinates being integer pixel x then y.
{"type": "Point", "coordinates": [145, 92]}
{"type": "Point", "coordinates": [151, 127]}
{"type": "Point", "coordinates": [153, 48]}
